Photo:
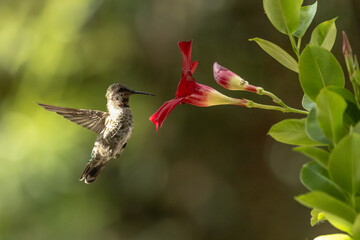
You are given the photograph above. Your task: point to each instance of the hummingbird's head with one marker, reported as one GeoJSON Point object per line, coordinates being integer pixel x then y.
{"type": "Point", "coordinates": [119, 94]}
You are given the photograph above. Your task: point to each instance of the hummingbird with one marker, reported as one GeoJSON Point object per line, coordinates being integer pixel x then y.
{"type": "Point", "coordinates": [114, 127]}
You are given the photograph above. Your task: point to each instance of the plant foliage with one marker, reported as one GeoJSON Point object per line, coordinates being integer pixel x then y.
{"type": "Point", "coordinates": [330, 134]}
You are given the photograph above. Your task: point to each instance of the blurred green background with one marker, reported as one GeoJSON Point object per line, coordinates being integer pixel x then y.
{"type": "Point", "coordinates": [208, 173]}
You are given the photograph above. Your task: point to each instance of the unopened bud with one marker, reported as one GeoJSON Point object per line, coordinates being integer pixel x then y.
{"type": "Point", "coordinates": [346, 45]}
{"type": "Point", "coordinates": [230, 80]}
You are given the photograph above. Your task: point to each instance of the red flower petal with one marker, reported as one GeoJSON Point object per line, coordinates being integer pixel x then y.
{"type": "Point", "coordinates": [193, 66]}
{"type": "Point", "coordinates": [160, 115]}
{"type": "Point", "coordinates": [222, 75]}
{"type": "Point", "coordinates": [199, 95]}
{"type": "Point", "coordinates": [186, 85]}
{"type": "Point", "coordinates": [185, 49]}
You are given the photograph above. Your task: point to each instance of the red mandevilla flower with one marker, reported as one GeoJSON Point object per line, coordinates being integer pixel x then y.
{"type": "Point", "coordinates": [189, 91]}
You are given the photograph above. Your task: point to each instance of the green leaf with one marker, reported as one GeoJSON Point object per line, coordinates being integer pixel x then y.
{"type": "Point", "coordinates": [291, 131]}
{"type": "Point", "coordinates": [317, 154]}
{"type": "Point", "coordinates": [318, 69]}
{"type": "Point", "coordinates": [346, 94]}
{"type": "Point", "coordinates": [357, 203]}
{"type": "Point", "coordinates": [307, 103]}
{"type": "Point", "coordinates": [337, 236]}
{"type": "Point", "coordinates": [313, 129]}
{"type": "Point", "coordinates": [356, 63]}
{"type": "Point", "coordinates": [337, 212]}
{"type": "Point", "coordinates": [324, 35]}
{"type": "Point", "coordinates": [352, 113]}
{"type": "Point", "coordinates": [316, 178]}
{"type": "Point", "coordinates": [344, 163]}
{"type": "Point", "coordinates": [356, 129]}
{"type": "Point", "coordinates": [283, 14]}
{"type": "Point", "coordinates": [278, 54]}
{"type": "Point", "coordinates": [356, 227]}
{"type": "Point", "coordinates": [338, 223]}
{"type": "Point", "coordinates": [356, 77]}
{"type": "Point", "coordinates": [307, 14]}
{"type": "Point", "coordinates": [316, 216]}
{"type": "Point", "coordinates": [330, 110]}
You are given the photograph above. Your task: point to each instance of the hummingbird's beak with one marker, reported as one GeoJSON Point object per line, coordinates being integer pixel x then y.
{"type": "Point", "coordinates": [139, 92]}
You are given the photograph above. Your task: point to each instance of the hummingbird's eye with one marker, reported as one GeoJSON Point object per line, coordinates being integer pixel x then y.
{"type": "Point", "coordinates": [121, 89]}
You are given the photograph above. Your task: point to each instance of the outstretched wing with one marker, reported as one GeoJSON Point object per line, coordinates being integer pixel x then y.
{"type": "Point", "coordinates": [90, 119]}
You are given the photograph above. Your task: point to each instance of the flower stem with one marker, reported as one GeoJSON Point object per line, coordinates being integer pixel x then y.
{"type": "Point", "coordinates": [251, 104]}
{"type": "Point", "coordinates": [293, 44]}
{"type": "Point", "coordinates": [280, 102]}
{"type": "Point", "coordinates": [299, 45]}
{"type": "Point", "coordinates": [353, 200]}
{"type": "Point", "coordinates": [356, 91]}
{"type": "Point", "coordinates": [352, 71]}
{"type": "Point", "coordinates": [275, 98]}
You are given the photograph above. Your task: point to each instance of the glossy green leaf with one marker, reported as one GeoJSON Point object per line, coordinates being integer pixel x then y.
{"type": "Point", "coordinates": [318, 69]}
{"type": "Point", "coordinates": [344, 163]}
{"type": "Point", "coordinates": [342, 215]}
{"type": "Point", "coordinates": [324, 35]}
{"type": "Point", "coordinates": [313, 129]}
{"type": "Point", "coordinates": [337, 236]}
{"type": "Point", "coordinates": [317, 154]}
{"type": "Point", "coordinates": [338, 223]}
{"type": "Point", "coordinates": [278, 54]}
{"type": "Point", "coordinates": [307, 103]}
{"type": "Point", "coordinates": [316, 178]}
{"type": "Point", "coordinates": [352, 113]}
{"type": "Point", "coordinates": [356, 129]}
{"type": "Point", "coordinates": [291, 131]}
{"type": "Point", "coordinates": [356, 227]}
{"type": "Point", "coordinates": [330, 110]}
{"type": "Point", "coordinates": [283, 14]}
{"type": "Point", "coordinates": [316, 217]}
{"type": "Point", "coordinates": [346, 94]}
{"type": "Point", "coordinates": [307, 14]}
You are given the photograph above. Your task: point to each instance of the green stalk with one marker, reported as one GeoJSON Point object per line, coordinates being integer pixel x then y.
{"type": "Point", "coordinates": [251, 104]}
{"type": "Point", "coordinates": [356, 90]}
{"type": "Point", "coordinates": [353, 200]}
{"type": "Point", "coordinates": [351, 71]}
{"type": "Point", "coordinates": [293, 44]}
{"type": "Point", "coordinates": [298, 45]}
{"type": "Point", "coordinates": [280, 102]}
{"type": "Point", "coordinates": [275, 98]}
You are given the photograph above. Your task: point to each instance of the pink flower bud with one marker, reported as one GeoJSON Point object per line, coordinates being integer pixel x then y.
{"type": "Point", "coordinates": [346, 45]}
{"type": "Point", "coordinates": [350, 59]}
{"type": "Point", "coordinates": [230, 80]}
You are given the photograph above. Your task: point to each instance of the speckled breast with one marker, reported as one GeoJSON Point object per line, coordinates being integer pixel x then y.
{"type": "Point", "coordinates": [121, 133]}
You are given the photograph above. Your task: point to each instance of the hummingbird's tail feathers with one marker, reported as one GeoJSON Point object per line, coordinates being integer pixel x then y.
{"type": "Point", "coordinates": [91, 173]}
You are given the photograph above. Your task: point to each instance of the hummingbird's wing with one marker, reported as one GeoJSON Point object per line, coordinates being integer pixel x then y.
{"type": "Point", "coordinates": [90, 119]}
